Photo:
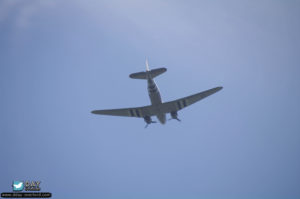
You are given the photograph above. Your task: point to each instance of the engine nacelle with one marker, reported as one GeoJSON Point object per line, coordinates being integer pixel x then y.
{"type": "Point", "coordinates": [174, 115]}
{"type": "Point", "coordinates": [148, 119]}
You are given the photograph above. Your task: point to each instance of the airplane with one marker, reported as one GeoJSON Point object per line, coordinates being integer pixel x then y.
{"type": "Point", "coordinates": [157, 107]}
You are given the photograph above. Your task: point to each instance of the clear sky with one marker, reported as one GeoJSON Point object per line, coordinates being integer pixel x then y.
{"type": "Point", "coordinates": [61, 59]}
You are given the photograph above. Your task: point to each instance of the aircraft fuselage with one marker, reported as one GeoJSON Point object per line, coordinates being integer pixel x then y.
{"type": "Point", "coordinates": [155, 99]}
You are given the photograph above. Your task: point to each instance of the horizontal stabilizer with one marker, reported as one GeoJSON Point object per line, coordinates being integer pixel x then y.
{"type": "Point", "coordinates": [143, 75]}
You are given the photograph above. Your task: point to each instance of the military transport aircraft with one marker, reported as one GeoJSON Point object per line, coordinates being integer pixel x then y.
{"type": "Point", "coordinates": [157, 107]}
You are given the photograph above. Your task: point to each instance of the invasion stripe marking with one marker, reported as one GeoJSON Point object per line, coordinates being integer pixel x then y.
{"type": "Point", "coordinates": [153, 91]}
{"type": "Point", "coordinates": [179, 105]}
{"type": "Point", "coordinates": [184, 103]}
{"type": "Point", "coordinates": [131, 112]}
{"type": "Point", "coordinates": [137, 112]}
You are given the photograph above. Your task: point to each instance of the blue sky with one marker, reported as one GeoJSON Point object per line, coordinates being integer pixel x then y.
{"type": "Point", "coordinates": [61, 59]}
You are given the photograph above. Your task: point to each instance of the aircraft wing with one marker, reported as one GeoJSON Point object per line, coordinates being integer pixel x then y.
{"type": "Point", "coordinates": [181, 103]}
{"type": "Point", "coordinates": [166, 107]}
{"type": "Point", "coordinates": [129, 112]}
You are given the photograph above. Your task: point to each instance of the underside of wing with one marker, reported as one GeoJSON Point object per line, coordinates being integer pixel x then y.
{"type": "Point", "coordinates": [128, 112]}
{"type": "Point", "coordinates": [181, 103]}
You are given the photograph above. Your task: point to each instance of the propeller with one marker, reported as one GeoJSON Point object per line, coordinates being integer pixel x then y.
{"type": "Point", "coordinates": [148, 120]}
{"type": "Point", "coordinates": [150, 123]}
{"type": "Point", "coordinates": [175, 119]}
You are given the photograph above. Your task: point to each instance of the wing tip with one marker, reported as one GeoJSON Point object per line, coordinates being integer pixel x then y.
{"type": "Point", "coordinates": [218, 88]}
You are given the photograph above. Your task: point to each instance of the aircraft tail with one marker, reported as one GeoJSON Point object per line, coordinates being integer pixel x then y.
{"type": "Point", "coordinates": [152, 73]}
{"type": "Point", "coordinates": [149, 73]}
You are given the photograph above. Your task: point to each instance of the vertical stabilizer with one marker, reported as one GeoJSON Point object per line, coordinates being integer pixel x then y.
{"type": "Point", "coordinates": [147, 65]}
